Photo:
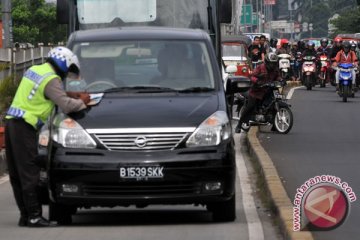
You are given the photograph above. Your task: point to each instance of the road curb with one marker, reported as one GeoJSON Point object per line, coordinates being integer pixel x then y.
{"type": "Point", "coordinates": [280, 202]}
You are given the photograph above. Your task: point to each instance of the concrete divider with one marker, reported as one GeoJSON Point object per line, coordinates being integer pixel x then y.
{"type": "Point", "coordinates": [279, 200]}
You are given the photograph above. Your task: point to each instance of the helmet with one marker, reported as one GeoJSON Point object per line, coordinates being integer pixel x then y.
{"type": "Point", "coordinates": [324, 42]}
{"type": "Point", "coordinates": [273, 42]}
{"type": "Point", "coordinates": [271, 61]}
{"type": "Point", "coordinates": [353, 45]}
{"type": "Point", "coordinates": [301, 44]}
{"type": "Point", "coordinates": [346, 46]}
{"type": "Point", "coordinates": [284, 41]}
{"type": "Point", "coordinates": [64, 59]}
{"type": "Point", "coordinates": [338, 40]}
{"type": "Point", "coordinates": [310, 44]}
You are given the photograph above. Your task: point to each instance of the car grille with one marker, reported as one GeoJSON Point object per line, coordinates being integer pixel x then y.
{"type": "Point", "coordinates": [153, 189]}
{"type": "Point", "coordinates": [135, 141]}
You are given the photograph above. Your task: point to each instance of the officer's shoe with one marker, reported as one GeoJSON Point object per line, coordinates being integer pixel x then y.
{"type": "Point", "coordinates": [40, 222]}
{"type": "Point", "coordinates": [23, 221]}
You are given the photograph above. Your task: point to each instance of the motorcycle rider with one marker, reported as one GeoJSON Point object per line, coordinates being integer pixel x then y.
{"type": "Point", "coordinates": [345, 56]}
{"type": "Point", "coordinates": [324, 47]}
{"type": "Point", "coordinates": [273, 45]}
{"type": "Point", "coordinates": [310, 51]}
{"type": "Point", "coordinates": [358, 50]}
{"type": "Point", "coordinates": [264, 73]}
{"type": "Point", "coordinates": [294, 54]}
{"type": "Point", "coordinates": [255, 51]}
{"type": "Point", "coordinates": [284, 48]}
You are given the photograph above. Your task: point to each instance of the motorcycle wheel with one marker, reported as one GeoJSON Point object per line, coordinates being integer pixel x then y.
{"type": "Point", "coordinates": [308, 82]}
{"type": "Point", "coordinates": [284, 120]}
{"type": "Point", "coordinates": [323, 83]}
{"type": "Point", "coordinates": [345, 93]}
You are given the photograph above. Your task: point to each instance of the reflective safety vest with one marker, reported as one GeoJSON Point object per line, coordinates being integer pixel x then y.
{"type": "Point", "coordinates": [30, 102]}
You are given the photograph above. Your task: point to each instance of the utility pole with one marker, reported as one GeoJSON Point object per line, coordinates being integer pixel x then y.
{"type": "Point", "coordinates": [7, 23]}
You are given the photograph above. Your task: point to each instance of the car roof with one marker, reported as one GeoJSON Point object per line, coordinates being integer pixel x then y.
{"type": "Point", "coordinates": [139, 33]}
{"type": "Point", "coordinates": [236, 38]}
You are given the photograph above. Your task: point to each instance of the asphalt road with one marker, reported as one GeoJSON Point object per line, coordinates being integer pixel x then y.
{"type": "Point", "coordinates": [155, 222]}
{"type": "Point", "coordinates": [325, 139]}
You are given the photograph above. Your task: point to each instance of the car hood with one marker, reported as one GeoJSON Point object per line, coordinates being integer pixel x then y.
{"type": "Point", "coordinates": [149, 111]}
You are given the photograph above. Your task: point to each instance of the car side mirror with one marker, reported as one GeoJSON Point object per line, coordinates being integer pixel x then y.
{"type": "Point", "coordinates": [231, 69]}
{"type": "Point", "coordinates": [235, 84]}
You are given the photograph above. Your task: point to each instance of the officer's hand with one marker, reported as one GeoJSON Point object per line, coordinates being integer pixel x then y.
{"type": "Point", "coordinates": [73, 94]}
{"type": "Point", "coordinates": [85, 97]}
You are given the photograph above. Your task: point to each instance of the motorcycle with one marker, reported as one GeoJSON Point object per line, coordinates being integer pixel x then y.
{"type": "Point", "coordinates": [309, 72]}
{"type": "Point", "coordinates": [274, 110]}
{"type": "Point", "coordinates": [284, 65]}
{"type": "Point", "coordinates": [325, 64]}
{"type": "Point", "coordinates": [345, 81]}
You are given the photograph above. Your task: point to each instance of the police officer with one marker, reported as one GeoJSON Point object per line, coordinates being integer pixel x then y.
{"type": "Point", "coordinates": [38, 92]}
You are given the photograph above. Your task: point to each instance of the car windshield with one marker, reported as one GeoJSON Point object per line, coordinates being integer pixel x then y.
{"type": "Point", "coordinates": [143, 66]}
{"type": "Point", "coordinates": [231, 50]}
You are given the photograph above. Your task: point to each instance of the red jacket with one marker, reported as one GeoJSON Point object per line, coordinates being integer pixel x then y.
{"type": "Point", "coordinates": [261, 76]}
{"type": "Point", "coordinates": [341, 57]}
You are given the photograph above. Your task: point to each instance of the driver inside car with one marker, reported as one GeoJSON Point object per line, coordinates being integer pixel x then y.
{"type": "Point", "coordinates": [266, 72]}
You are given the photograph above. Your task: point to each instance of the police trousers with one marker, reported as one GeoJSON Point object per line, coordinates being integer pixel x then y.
{"type": "Point", "coordinates": [24, 172]}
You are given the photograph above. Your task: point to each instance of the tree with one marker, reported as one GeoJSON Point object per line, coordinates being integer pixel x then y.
{"type": "Point", "coordinates": [34, 21]}
{"type": "Point", "coordinates": [348, 22]}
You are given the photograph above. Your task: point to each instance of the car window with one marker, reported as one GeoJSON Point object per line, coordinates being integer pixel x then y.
{"type": "Point", "coordinates": [230, 50]}
{"type": "Point", "coordinates": [172, 64]}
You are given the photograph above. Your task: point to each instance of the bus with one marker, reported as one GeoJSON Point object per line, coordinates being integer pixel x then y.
{"type": "Point", "coordinates": [198, 14]}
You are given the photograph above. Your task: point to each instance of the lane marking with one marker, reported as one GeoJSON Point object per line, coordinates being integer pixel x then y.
{"type": "Point", "coordinates": [291, 92]}
{"type": "Point", "coordinates": [4, 179]}
{"type": "Point", "coordinates": [254, 224]}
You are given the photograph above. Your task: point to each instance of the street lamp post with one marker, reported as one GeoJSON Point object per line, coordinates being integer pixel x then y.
{"type": "Point", "coordinates": [311, 29]}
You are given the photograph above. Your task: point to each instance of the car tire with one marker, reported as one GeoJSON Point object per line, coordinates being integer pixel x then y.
{"type": "Point", "coordinates": [61, 213]}
{"type": "Point", "coordinates": [223, 211]}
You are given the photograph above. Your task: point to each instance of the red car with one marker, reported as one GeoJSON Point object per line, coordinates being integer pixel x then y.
{"type": "Point", "coordinates": [234, 52]}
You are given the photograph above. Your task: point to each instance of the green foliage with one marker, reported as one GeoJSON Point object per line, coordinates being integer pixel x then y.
{"type": "Point", "coordinates": [8, 88]}
{"type": "Point", "coordinates": [35, 21]}
{"type": "Point", "coordinates": [348, 22]}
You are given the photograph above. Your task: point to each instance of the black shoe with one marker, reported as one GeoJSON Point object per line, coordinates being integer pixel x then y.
{"type": "Point", "coordinates": [40, 222]}
{"type": "Point", "coordinates": [23, 221]}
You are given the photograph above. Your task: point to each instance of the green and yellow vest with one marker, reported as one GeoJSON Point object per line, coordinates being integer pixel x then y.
{"type": "Point", "coordinates": [30, 102]}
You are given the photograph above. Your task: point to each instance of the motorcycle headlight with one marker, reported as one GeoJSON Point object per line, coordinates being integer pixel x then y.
{"type": "Point", "coordinates": [68, 133]}
{"type": "Point", "coordinates": [212, 131]}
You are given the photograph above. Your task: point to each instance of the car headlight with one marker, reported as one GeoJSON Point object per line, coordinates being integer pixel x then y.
{"type": "Point", "coordinates": [70, 134]}
{"type": "Point", "coordinates": [212, 131]}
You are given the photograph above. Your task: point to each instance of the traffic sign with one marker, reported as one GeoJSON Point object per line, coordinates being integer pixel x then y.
{"type": "Point", "coordinates": [255, 19]}
{"type": "Point", "coordinates": [246, 14]}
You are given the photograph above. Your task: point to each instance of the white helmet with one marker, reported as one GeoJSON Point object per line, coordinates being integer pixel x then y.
{"type": "Point", "coordinates": [64, 58]}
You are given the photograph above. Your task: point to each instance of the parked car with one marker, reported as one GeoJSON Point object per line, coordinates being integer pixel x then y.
{"type": "Point", "coordinates": [158, 131]}
{"type": "Point", "coordinates": [234, 52]}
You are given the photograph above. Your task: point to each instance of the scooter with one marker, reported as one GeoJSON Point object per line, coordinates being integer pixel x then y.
{"type": "Point", "coordinates": [325, 64]}
{"type": "Point", "coordinates": [309, 72]}
{"type": "Point", "coordinates": [345, 81]}
{"type": "Point", "coordinates": [284, 65]}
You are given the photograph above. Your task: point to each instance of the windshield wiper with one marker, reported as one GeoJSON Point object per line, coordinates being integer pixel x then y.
{"type": "Point", "coordinates": [140, 89]}
{"type": "Point", "coordinates": [196, 90]}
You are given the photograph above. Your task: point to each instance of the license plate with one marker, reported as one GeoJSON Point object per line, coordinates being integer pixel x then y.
{"type": "Point", "coordinates": [141, 173]}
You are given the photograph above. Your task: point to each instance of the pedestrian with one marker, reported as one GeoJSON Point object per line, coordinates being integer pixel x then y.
{"type": "Point", "coordinates": [39, 91]}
